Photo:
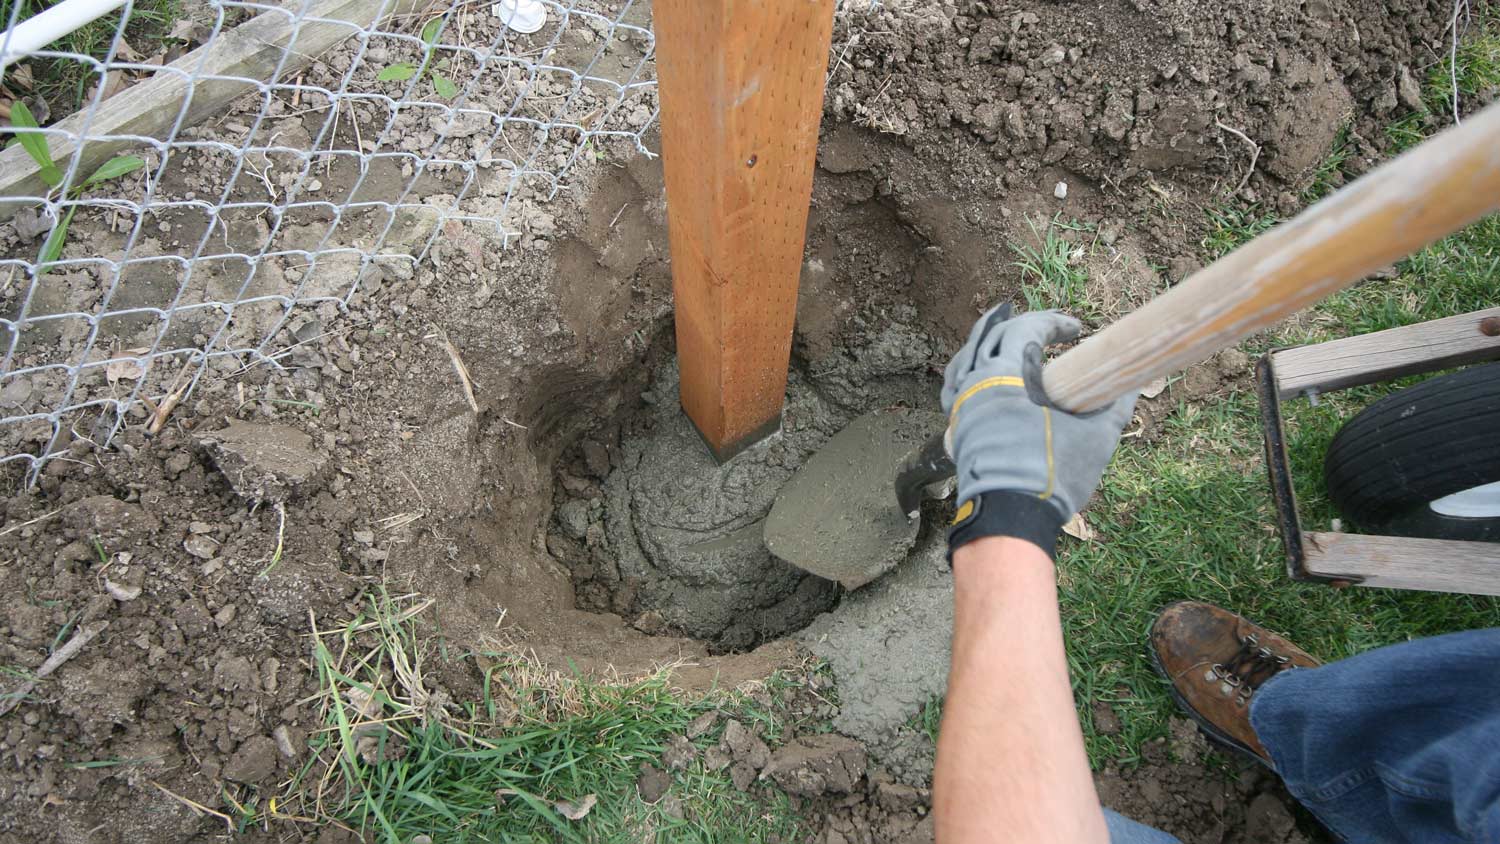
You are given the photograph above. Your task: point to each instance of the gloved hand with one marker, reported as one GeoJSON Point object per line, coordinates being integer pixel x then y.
{"type": "Point", "coordinates": [1024, 466]}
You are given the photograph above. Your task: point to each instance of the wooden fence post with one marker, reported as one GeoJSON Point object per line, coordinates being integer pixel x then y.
{"type": "Point", "coordinates": [741, 86]}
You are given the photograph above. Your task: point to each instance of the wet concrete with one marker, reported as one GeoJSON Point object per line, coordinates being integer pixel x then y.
{"type": "Point", "coordinates": [677, 538]}
{"type": "Point", "coordinates": [686, 530]}
{"type": "Point", "coordinates": [837, 517]}
{"type": "Point", "coordinates": [888, 645]}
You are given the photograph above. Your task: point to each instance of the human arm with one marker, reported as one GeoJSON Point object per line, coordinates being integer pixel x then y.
{"type": "Point", "coordinates": [1011, 763]}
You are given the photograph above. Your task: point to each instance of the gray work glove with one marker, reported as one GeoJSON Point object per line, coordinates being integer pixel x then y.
{"type": "Point", "coordinates": [1024, 466]}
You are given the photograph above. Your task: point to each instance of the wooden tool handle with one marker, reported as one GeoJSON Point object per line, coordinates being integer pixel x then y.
{"type": "Point", "coordinates": [1440, 186]}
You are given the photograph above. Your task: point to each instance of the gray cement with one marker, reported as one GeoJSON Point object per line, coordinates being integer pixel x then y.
{"type": "Point", "coordinates": [687, 531]}
{"type": "Point", "coordinates": [888, 645]}
{"type": "Point", "coordinates": [681, 541]}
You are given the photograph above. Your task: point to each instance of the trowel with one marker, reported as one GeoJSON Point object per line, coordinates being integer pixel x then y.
{"type": "Point", "coordinates": [852, 512]}
{"type": "Point", "coordinates": [837, 516]}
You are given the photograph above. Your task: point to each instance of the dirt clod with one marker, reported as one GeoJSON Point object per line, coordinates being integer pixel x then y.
{"type": "Point", "coordinates": [680, 753]}
{"type": "Point", "coordinates": [817, 765]}
{"type": "Point", "coordinates": [742, 774]}
{"type": "Point", "coordinates": [1106, 722]}
{"type": "Point", "coordinates": [652, 783]}
{"type": "Point", "coordinates": [265, 462]}
{"type": "Point", "coordinates": [253, 761]}
{"type": "Point", "coordinates": [703, 723]}
{"type": "Point", "coordinates": [744, 746]}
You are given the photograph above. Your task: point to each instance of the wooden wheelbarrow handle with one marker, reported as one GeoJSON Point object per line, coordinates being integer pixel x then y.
{"type": "Point", "coordinates": [1430, 191]}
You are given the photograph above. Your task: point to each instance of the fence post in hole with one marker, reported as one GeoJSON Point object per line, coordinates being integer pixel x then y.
{"type": "Point", "coordinates": [741, 86]}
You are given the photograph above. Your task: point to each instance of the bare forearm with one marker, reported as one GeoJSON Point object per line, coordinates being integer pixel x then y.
{"type": "Point", "coordinates": [1011, 764]}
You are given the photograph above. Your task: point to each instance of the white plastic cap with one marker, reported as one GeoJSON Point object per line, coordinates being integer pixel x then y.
{"type": "Point", "coordinates": [524, 16]}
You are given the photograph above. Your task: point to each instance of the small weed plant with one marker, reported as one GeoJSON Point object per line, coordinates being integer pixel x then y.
{"type": "Point", "coordinates": [402, 71]}
{"type": "Point", "coordinates": [35, 144]}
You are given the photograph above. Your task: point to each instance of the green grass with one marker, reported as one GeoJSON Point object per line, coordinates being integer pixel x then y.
{"type": "Point", "coordinates": [494, 769]}
{"type": "Point", "coordinates": [63, 82]}
{"type": "Point", "coordinates": [1230, 226]}
{"type": "Point", "coordinates": [1052, 272]}
{"type": "Point", "coordinates": [1478, 71]}
{"type": "Point", "coordinates": [15, 675]}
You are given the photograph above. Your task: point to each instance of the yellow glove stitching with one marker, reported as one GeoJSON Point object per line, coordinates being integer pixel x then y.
{"type": "Point", "coordinates": [996, 381]}
{"type": "Point", "coordinates": [1051, 477]}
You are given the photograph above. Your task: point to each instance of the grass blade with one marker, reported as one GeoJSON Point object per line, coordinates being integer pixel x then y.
{"type": "Point", "coordinates": [114, 168]}
{"type": "Point", "coordinates": [52, 249]}
{"type": "Point", "coordinates": [35, 143]}
{"type": "Point", "coordinates": [399, 72]}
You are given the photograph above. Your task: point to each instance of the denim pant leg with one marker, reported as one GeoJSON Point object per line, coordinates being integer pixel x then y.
{"type": "Point", "coordinates": [1399, 744]}
{"type": "Point", "coordinates": [1123, 830]}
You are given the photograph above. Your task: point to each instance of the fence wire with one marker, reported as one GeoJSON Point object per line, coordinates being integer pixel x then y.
{"type": "Point", "coordinates": [197, 250]}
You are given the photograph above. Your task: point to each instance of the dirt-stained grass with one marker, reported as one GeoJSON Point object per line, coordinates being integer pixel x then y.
{"type": "Point", "coordinates": [396, 761]}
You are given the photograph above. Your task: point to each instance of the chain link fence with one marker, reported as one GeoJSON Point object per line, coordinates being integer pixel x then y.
{"type": "Point", "coordinates": [240, 165]}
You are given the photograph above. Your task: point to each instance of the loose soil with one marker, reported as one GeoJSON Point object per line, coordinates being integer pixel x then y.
{"type": "Point", "coordinates": [211, 548]}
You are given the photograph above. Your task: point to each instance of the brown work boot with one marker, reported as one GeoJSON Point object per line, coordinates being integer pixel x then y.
{"type": "Point", "coordinates": [1215, 660]}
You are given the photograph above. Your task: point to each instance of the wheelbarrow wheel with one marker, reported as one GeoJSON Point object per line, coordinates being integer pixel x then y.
{"type": "Point", "coordinates": [1423, 461]}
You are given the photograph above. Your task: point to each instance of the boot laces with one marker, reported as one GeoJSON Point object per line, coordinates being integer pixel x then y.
{"type": "Point", "coordinates": [1250, 667]}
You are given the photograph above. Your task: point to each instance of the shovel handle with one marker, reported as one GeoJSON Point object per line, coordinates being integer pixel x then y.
{"type": "Point", "coordinates": [1427, 192]}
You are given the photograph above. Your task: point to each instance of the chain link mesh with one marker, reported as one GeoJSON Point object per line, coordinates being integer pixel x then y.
{"type": "Point", "coordinates": [292, 188]}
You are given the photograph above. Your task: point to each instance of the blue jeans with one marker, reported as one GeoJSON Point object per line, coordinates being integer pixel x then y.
{"type": "Point", "coordinates": [1399, 744]}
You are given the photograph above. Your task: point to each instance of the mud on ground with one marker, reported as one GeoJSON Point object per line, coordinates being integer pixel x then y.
{"type": "Point", "coordinates": [948, 130]}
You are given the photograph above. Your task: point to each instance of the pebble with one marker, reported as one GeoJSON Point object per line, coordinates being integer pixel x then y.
{"type": "Point", "coordinates": [283, 738]}
{"type": "Point", "coordinates": [201, 546]}
{"type": "Point", "coordinates": [15, 392]}
{"type": "Point", "coordinates": [122, 590]}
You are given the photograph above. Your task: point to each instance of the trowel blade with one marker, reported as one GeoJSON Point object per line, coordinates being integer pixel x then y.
{"type": "Point", "coordinates": [838, 517]}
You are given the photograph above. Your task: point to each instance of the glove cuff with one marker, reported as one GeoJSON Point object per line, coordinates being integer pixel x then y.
{"type": "Point", "coordinates": [1006, 513]}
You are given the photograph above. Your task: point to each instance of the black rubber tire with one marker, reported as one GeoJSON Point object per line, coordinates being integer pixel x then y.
{"type": "Point", "coordinates": [1418, 444]}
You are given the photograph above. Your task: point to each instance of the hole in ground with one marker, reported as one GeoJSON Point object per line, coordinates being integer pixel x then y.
{"type": "Point", "coordinates": [653, 530]}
